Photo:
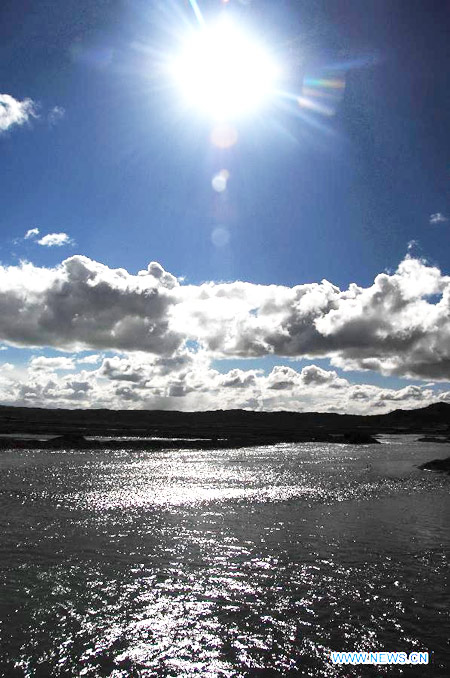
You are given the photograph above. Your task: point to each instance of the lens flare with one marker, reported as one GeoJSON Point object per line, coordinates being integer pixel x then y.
{"type": "Point", "coordinates": [322, 94]}
{"type": "Point", "coordinates": [220, 180]}
{"type": "Point", "coordinates": [220, 237]}
{"type": "Point", "coordinates": [224, 136]}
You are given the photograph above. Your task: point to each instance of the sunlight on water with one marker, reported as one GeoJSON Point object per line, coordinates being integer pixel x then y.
{"type": "Point", "coordinates": [250, 562]}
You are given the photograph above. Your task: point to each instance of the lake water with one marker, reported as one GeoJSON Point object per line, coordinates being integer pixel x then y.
{"type": "Point", "coordinates": [249, 562]}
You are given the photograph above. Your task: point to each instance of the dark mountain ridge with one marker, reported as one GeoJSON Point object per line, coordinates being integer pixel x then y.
{"type": "Point", "coordinates": [230, 424]}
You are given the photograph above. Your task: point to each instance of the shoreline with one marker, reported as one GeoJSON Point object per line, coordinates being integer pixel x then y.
{"type": "Point", "coordinates": [79, 441]}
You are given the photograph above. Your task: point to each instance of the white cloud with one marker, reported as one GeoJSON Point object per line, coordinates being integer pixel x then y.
{"type": "Point", "coordinates": [31, 233]}
{"type": "Point", "coordinates": [55, 114]}
{"type": "Point", "coordinates": [438, 218]}
{"type": "Point", "coordinates": [49, 364]}
{"type": "Point", "coordinates": [90, 359]}
{"type": "Point", "coordinates": [14, 112]}
{"type": "Point", "coordinates": [54, 240]}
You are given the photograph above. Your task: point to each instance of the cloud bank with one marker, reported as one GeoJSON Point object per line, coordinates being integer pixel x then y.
{"type": "Point", "coordinates": [399, 325]}
{"type": "Point", "coordinates": [186, 381]}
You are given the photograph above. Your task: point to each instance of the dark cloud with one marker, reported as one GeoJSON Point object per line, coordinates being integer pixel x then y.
{"type": "Point", "coordinates": [83, 304]}
{"type": "Point", "coordinates": [399, 325]}
{"type": "Point", "coordinates": [121, 370]}
{"type": "Point", "coordinates": [239, 379]}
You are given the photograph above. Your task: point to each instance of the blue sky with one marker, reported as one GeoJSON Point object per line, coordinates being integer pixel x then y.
{"type": "Point", "coordinates": [107, 153]}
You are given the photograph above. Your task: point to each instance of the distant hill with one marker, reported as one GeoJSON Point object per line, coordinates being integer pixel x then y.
{"type": "Point", "coordinates": [221, 423]}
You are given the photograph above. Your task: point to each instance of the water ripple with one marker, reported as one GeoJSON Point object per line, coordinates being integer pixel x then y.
{"type": "Point", "coordinates": [227, 563]}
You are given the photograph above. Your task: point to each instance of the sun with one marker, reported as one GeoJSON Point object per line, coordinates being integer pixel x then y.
{"type": "Point", "coordinates": [224, 73]}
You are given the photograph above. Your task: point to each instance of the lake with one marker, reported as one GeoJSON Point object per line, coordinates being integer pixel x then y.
{"type": "Point", "coordinates": [223, 563]}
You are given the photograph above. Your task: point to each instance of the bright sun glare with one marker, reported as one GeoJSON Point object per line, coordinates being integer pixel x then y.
{"type": "Point", "coordinates": [224, 73]}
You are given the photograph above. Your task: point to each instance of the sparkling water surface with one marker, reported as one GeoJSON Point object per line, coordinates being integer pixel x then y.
{"type": "Point", "coordinates": [249, 562]}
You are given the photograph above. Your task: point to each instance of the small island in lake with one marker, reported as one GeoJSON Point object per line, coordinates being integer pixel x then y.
{"type": "Point", "coordinates": [437, 465]}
